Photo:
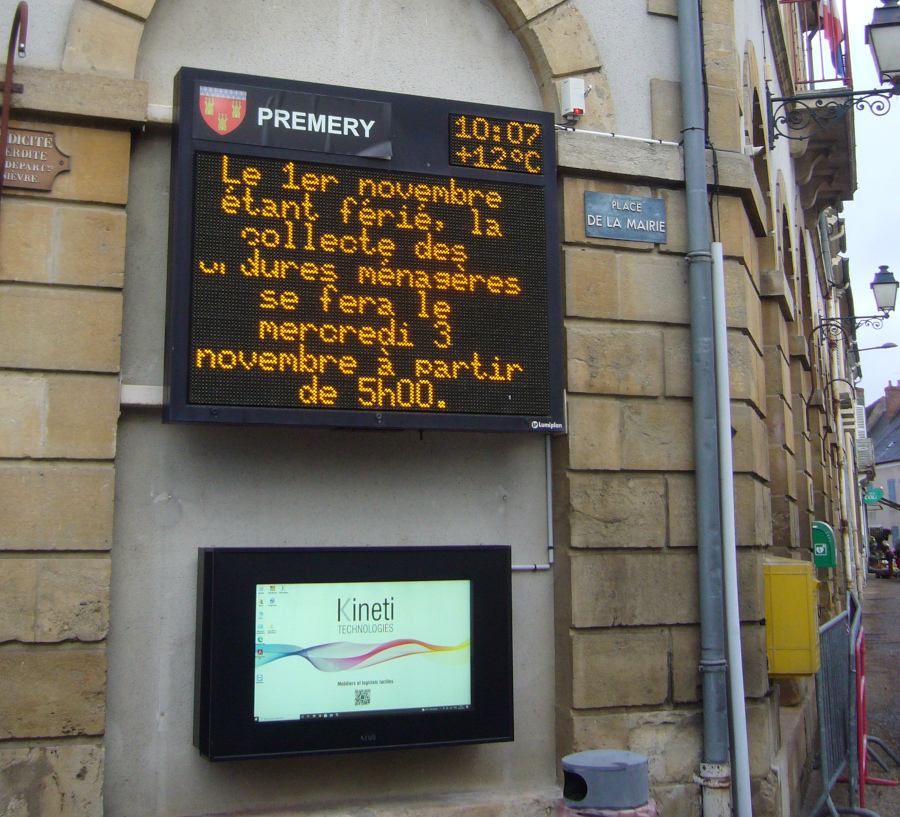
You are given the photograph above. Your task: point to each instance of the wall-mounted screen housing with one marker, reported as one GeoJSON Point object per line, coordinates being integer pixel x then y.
{"type": "Point", "coordinates": [344, 649]}
{"type": "Point", "coordinates": [340, 257]}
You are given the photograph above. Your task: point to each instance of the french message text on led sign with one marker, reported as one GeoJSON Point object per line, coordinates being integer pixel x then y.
{"type": "Point", "coordinates": [317, 289]}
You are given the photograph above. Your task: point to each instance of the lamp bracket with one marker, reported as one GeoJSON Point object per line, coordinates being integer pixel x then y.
{"type": "Point", "coordinates": [834, 328]}
{"type": "Point", "coordinates": [802, 117]}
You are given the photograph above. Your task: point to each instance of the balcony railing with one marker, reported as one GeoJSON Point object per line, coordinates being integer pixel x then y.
{"type": "Point", "coordinates": [818, 47]}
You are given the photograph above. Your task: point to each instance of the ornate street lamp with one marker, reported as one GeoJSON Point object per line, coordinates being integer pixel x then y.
{"type": "Point", "coordinates": [883, 37]}
{"type": "Point", "coordinates": [804, 116]}
{"type": "Point", "coordinates": [884, 287]}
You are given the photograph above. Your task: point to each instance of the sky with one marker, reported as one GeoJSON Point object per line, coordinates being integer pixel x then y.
{"type": "Point", "coordinates": [873, 217]}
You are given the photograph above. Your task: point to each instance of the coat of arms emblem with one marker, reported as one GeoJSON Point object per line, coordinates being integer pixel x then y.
{"type": "Point", "coordinates": [222, 109]}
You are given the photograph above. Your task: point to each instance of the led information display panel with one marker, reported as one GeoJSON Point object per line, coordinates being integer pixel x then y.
{"type": "Point", "coordinates": [304, 650]}
{"type": "Point", "coordinates": [354, 258]}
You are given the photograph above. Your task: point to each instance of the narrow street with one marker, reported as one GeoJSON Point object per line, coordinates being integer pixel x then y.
{"type": "Point", "coordinates": [881, 621]}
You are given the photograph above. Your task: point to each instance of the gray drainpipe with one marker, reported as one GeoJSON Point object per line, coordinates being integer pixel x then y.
{"type": "Point", "coordinates": [715, 772]}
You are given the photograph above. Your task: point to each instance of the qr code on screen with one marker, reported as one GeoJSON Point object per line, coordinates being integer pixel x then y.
{"type": "Point", "coordinates": [363, 697]}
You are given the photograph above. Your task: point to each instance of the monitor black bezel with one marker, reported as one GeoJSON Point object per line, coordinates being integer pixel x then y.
{"type": "Point", "coordinates": [224, 728]}
{"type": "Point", "coordinates": [420, 137]}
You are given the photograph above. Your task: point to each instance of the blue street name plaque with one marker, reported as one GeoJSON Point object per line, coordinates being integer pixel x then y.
{"type": "Point", "coordinates": [625, 218]}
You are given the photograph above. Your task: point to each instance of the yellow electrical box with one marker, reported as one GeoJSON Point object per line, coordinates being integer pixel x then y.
{"type": "Point", "coordinates": [792, 619]}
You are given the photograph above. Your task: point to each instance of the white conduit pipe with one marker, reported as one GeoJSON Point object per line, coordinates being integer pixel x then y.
{"type": "Point", "coordinates": [741, 765]}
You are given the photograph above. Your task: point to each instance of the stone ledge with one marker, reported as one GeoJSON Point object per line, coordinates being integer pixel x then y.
{"type": "Point", "coordinates": [535, 803]}
{"type": "Point", "coordinates": [88, 95]}
{"type": "Point", "coordinates": [659, 163]}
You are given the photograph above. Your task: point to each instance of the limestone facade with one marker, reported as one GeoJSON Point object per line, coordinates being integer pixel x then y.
{"type": "Point", "coordinates": [625, 577]}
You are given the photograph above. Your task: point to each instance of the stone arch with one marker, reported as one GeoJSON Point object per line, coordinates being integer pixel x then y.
{"type": "Point", "coordinates": [756, 134]}
{"type": "Point", "coordinates": [104, 38]}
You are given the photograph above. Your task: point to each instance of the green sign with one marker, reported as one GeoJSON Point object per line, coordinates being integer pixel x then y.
{"type": "Point", "coordinates": [824, 548]}
{"type": "Point", "coordinates": [872, 496]}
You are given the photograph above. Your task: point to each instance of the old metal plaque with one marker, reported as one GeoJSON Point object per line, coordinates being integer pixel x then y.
{"type": "Point", "coordinates": [33, 160]}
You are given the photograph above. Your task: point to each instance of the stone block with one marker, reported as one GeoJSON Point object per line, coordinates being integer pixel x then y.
{"type": "Point", "coordinates": [55, 506]}
{"type": "Point", "coordinates": [592, 283]}
{"type": "Point", "coordinates": [666, 117]}
{"type": "Point", "coordinates": [657, 436]}
{"type": "Point", "coordinates": [785, 521]}
{"type": "Point", "coordinates": [722, 64]}
{"type": "Point", "coordinates": [51, 600]}
{"type": "Point", "coordinates": [559, 43]}
{"type": "Point", "coordinates": [733, 229]}
{"type": "Point", "coordinates": [595, 434]}
{"type": "Point", "coordinates": [800, 359]}
{"type": "Point", "coordinates": [672, 743]}
{"type": "Point", "coordinates": [671, 740]}
{"type": "Point", "coordinates": [56, 243]}
{"type": "Point", "coordinates": [624, 589]}
{"type": "Point", "coordinates": [743, 309]}
{"type": "Point", "coordinates": [518, 12]}
{"type": "Point", "coordinates": [683, 799]}
{"type": "Point", "coordinates": [751, 607]}
{"type": "Point", "coordinates": [784, 473]}
{"type": "Point", "coordinates": [775, 286]}
{"type": "Point", "coordinates": [753, 512]}
{"type": "Point", "coordinates": [677, 362]}
{"type": "Point", "coordinates": [100, 164]}
{"type": "Point", "coordinates": [762, 735]}
{"type": "Point", "coordinates": [51, 692]}
{"type": "Point", "coordinates": [573, 222]}
{"type": "Point", "coordinates": [682, 510]}
{"type": "Point", "coordinates": [142, 8]}
{"type": "Point", "coordinates": [643, 279]}
{"type": "Point", "coordinates": [775, 331]}
{"type": "Point", "coordinates": [780, 422]}
{"type": "Point", "coordinates": [23, 400]}
{"type": "Point", "coordinates": [101, 40]}
{"type": "Point", "coordinates": [746, 370]}
{"type": "Point", "coordinates": [686, 686]}
{"type": "Point", "coordinates": [615, 511]}
{"type": "Point", "coordinates": [666, 8]}
{"type": "Point", "coordinates": [18, 590]}
{"type": "Point", "coordinates": [725, 118]}
{"type": "Point", "coordinates": [755, 660]}
{"type": "Point", "coordinates": [84, 95]}
{"type": "Point", "coordinates": [29, 257]}
{"type": "Point", "coordinates": [82, 416]}
{"type": "Point", "coordinates": [749, 441]}
{"type": "Point", "coordinates": [719, 12]}
{"type": "Point", "coordinates": [778, 372]}
{"type": "Point", "coordinates": [676, 221]}
{"type": "Point", "coordinates": [686, 680]}
{"type": "Point", "coordinates": [601, 679]}
{"type": "Point", "coordinates": [802, 452]}
{"type": "Point", "coordinates": [91, 248]}
{"type": "Point", "coordinates": [55, 328]}
{"type": "Point", "coordinates": [614, 359]}
{"type": "Point", "coordinates": [52, 780]}
{"type": "Point", "coordinates": [72, 602]}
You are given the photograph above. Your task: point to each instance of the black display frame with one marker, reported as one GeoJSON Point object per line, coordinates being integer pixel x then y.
{"type": "Point", "coordinates": [224, 728]}
{"type": "Point", "coordinates": [420, 137]}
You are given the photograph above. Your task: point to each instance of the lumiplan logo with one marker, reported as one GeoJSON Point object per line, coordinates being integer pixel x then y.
{"type": "Point", "coordinates": [222, 109]}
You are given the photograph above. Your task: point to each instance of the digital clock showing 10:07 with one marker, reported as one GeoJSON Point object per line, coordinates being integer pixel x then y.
{"type": "Point", "coordinates": [496, 144]}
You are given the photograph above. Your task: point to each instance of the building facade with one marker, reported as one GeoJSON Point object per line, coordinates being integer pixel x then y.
{"type": "Point", "coordinates": [102, 507]}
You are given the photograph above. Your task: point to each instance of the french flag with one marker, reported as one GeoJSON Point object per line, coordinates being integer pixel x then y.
{"type": "Point", "coordinates": [830, 25]}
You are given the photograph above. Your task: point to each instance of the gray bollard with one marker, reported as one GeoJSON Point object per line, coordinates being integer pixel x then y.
{"type": "Point", "coordinates": [606, 779]}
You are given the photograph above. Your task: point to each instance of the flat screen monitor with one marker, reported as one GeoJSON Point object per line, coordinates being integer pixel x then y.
{"type": "Point", "coordinates": [307, 650]}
